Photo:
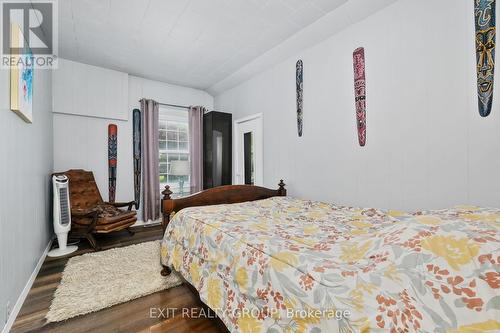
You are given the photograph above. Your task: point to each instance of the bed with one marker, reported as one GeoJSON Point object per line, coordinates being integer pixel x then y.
{"type": "Point", "coordinates": [272, 263]}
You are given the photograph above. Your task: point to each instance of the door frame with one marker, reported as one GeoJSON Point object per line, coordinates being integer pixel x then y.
{"type": "Point", "coordinates": [259, 157]}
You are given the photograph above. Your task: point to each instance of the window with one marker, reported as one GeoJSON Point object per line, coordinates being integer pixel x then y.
{"type": "Point", "coordinates": [174, 146]}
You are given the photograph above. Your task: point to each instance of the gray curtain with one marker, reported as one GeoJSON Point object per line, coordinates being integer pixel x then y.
{"type": "Point", "coordinates": [150, 159]}
{"type": "Point", "coordinates": [196, 147]}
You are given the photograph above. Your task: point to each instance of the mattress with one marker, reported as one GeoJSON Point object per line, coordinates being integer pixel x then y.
{"type": "Point", "coordinates": [290, 265]}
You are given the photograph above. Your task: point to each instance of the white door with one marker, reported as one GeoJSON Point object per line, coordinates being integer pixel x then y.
{"type": "Point", "coordinates": [248, 147]}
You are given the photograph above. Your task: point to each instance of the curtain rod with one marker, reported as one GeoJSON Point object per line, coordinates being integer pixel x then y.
{"type": "Point", "coordinates": [175, 106]}
{"type": "Point", "coordinates": [172, 105]}
{"type": "Point", "coordinates": [178, 106]}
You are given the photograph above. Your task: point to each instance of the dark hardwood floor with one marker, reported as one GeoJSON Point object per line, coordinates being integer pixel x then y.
{"type": "Point", "coordinates": [133, 316]}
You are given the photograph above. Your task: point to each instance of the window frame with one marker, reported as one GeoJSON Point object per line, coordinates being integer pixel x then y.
{"type": "Point", "coordinates": [178, 118]}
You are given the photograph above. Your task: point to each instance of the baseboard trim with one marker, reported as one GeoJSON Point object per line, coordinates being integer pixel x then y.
{"type": "Point", "coordinates": [24, 293]}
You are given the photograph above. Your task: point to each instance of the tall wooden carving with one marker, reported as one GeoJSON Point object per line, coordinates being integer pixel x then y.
{"type": "Point", "coordinates": [360, 93]}
{"type": "Point", "coordinates": [485, 52]}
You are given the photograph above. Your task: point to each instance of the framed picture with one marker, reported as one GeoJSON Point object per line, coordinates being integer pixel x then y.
{"type": "Point", "coordinates": [21, 79]}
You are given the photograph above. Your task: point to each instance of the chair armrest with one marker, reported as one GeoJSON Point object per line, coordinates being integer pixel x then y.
{"type": "Point", "coordinates": [78, 214]}
{"type": "Point", "coordinates": [83, 212]}
{"type": "Point", "coordinates": [129, 204]}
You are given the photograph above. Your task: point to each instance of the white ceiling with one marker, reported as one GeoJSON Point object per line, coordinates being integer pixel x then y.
{"type": "Point", "coordinates": [195, 43]}
{"type": "Point", "coordinates": [351, 12]}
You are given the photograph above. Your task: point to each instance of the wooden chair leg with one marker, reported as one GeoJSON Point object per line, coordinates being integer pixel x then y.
{"type": "Point", "coordinates": [93, 242]}
{"type": "Point", "coordinates": [166, 271]}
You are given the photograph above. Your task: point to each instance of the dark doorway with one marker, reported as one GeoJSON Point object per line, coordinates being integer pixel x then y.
{"type": "Point", "coordinates": [248, 152]}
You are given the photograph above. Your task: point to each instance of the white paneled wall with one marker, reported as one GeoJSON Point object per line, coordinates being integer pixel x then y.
{"type": "Point", "coordinates": [25, 169]}
{"type": "Point", "coordinates": [427, 146]}
{"type": "Point", "coordinates": [81, 141]}
{"type": "Point", "coordinates": [91, 91]}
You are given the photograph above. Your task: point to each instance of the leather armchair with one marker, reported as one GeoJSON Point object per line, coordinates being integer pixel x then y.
{"type": "Point", "coordinates": [90, 214]}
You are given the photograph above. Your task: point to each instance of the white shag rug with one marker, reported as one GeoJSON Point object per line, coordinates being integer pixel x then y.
{"type": "Point", "coordinates": [94, 281]}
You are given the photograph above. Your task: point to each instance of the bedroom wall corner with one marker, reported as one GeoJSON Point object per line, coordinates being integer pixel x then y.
{"type": "Point", "coordinates": [80, 139]}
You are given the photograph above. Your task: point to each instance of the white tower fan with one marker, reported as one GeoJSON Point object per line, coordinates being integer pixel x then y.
{"type": "Point", "coordinates": [62, 216]}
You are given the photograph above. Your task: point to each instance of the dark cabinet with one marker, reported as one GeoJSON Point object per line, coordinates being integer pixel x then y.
{"type": "Point", "coordinates": [217, 149]}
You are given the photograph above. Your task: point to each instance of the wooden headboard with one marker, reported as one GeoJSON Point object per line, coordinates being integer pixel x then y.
{"type": "Point", "coordinates": [215, 196]}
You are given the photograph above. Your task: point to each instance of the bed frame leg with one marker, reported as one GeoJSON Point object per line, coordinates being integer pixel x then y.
{"type": "Point", "coordinates": [166, 271]}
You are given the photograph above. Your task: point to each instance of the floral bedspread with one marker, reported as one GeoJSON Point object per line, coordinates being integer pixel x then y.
{"type": "Point", "coordinates": [289, 265]}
